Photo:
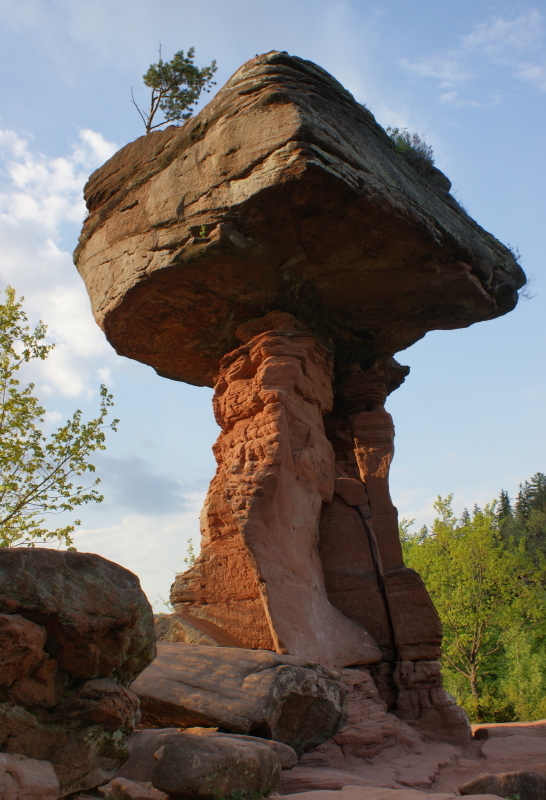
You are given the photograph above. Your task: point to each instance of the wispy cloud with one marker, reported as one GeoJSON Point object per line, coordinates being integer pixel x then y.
{"type": "Point", "coordinates": [516, 44]}
{"type": "Point", "coordinates": [132, 483]}
{"type": "Point", "coordinates": [41, 207]}
{"type": "Point", "coordinates": [454, 98]}
{"type": "Point", "coordinates": [149, 545]}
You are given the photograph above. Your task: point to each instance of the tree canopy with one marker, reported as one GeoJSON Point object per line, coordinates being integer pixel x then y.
{"type": "Point", "coordinates": [490, 594]}
{"type": "Point", "coordinates": [176, 85]}
{"type": "Point", "coordinates": [36, 471]}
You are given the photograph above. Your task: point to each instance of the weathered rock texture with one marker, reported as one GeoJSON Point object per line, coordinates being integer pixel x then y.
{"type": "Point", "coordinates": [378, 793]}
{"type": "Point", "coordinates": [284, 698]}
{"type": "Point", "coordinates": [279, 248]}
{"type": "Point", "coordinates": [523, 784]}
{"type": "Point", "coordinates": [206, 767]}
{"type": "Point", "coordinates": [23, 778]}
{"type": "Point", "coordinates": [122, 789]}
{"type": "Point", "coordinates": [183, 627]}
{"type": "Point", "coordinates": [275, 472]}
{"type": "Point", "coordinates": [305, 206]}
{"type": "Point", "coordinates": [145, 749]}
{"type": "Point", "coordinates": [75, 630]}
{"type": "Point", "coordinates": [375, 747]}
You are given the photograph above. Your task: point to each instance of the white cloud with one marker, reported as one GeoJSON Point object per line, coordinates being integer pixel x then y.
{"type": "Point", "coordinates": [150, 546]}
{"type": "Point", "coordinates": [41, 206]}
{"type": "Point", "coordinates": [448, 70]}
{"type": "Point", "coordinates": [454, 98]}
{"type": "Point", "coordinates": [508, 43]}
{"type": "Point", "coordinates": [534, 73]}
{"type": "Point", "coordinates": [499, 36]}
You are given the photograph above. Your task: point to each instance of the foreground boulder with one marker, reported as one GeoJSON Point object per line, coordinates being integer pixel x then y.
{"type": "Point", "coordinates": [524, 785]}
{"type": "Point", "coordinates": [257, 692]}
{"type": "Point", "coordinates": [211, 766]}
{"type": "Point", "coordinates": [24, 778]}
{"type": "Point", "coordinates": [145, 745]}
{"type": "Point", "coordinates": [76, 630]}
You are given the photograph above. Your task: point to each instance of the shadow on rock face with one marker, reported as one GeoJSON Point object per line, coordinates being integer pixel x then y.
{"type": "Point", "coordinates": [75, 630]}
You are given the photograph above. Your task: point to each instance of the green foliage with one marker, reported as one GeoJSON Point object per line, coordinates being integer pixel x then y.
{"type": "Point", "coordinates": [189, 561]}
{"type": "Point", "coordinates": [176, 85]}
{"type": "Point", "coordinates": [525, 523]}
{"type": "Point", "coordinates": [491, 600]}
{"type": "Point", "coordinates": [408, 144]}
{"type": "Point", "coordinates": [36, 472]}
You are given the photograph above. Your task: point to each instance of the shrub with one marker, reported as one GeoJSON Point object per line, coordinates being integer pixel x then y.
{"type": "Point", "coordinates": [408, 144]}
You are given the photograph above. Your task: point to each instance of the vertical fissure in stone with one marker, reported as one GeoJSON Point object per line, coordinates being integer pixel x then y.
{"type": "Point", "coordinates": [367, 521]}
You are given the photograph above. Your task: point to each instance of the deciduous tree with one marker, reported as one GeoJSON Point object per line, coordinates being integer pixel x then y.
{"type": "Point", "coordinates": [487, 595]}
{"type": "Point", "coordinates": [36, 471]}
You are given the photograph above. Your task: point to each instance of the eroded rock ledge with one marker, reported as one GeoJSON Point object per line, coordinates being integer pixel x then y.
{"type": "Point", "coordinates": [282, 193]}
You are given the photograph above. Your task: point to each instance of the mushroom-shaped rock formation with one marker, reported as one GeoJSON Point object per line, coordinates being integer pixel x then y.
{"type": "Point", "coordinates": [278, 247]}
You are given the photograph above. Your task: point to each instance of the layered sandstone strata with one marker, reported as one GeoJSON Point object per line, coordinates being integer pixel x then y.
{"type": "Point", "coordinates": [278, 248]}
{"type": "Point", "coordinates": [260, 575]}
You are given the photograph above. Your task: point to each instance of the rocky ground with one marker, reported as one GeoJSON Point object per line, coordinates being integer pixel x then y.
{"type": "Point", "coordinates": [437, 768]}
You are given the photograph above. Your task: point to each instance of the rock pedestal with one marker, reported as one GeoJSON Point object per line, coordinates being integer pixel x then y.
{"type": "Point", "coordinates": [300, 545]}
{"type": "Point", "coordinates": [260, 575]}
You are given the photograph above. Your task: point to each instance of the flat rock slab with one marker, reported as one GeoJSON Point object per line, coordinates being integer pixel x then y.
{"type": "Point", "coordinates": [278, 697]}
{"type": "Point", "coordinates": [189, 629]}
{"type": "Point", "coordinates": [523, 784]}
{"type": "Point", "coordinates": [123, 789]}
{"type": "Point", "coordinates": [145, 745]}
{"type": "Point", "coordinates": [381, 793]}
{"type": "Point", "coordinates": [211, 766]}
{"type": "Point", "coordinates": [23, 778]}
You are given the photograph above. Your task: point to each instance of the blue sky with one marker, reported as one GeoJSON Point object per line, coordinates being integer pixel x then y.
{"type": "Point", "coordinates": [470, 76]}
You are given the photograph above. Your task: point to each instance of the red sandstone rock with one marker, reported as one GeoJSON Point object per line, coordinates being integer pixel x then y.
{"type": "Point", "coordinates": [145, 749]}
{"type": "Point", "coordinates": [96, 618]}
{"type": "Point", "coordinates": [210, 766]}
{"type": "Point", "coordinates": [123, 789]}
{"type": "Point", "coordinates": [306, 207]}
{"type": "Point", "coordinates": [184, 627]}
{"type": "Point", "coordinates": [283, 217]}
{"type": "Point", "coordinates": [423, 702]}
{"type": "Point", "coordinates": [73, 627]}
{"type": "Point", "coordinates": [523, 784]}
{"type": "Point", "coordinates": [21, 645]}
{"type": "Point", "coordinates": [275, 470]}
{"type": "Point", "coordinates": [23, 778]}
{"type": "Point", "coordinates": [288, 699]}
{"type": "Point", "coordinates": [381, 793]}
